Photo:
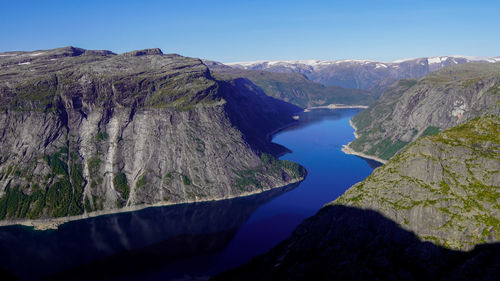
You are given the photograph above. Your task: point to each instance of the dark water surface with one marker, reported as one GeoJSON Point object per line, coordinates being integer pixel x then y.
{"type": "Point", "coordinates": [191, 241]}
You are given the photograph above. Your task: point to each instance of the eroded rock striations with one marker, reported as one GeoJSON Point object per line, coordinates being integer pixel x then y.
{"type": "Point", "coordinates": [414, 108]}
{"type": "Point", "coordinates": [85, 132]}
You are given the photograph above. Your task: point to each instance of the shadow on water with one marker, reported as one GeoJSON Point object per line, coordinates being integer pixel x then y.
{"type": "Point", "coordinates": [345, 243]}
{"type": "Point", "coordinates": [126, 243]}
{"type": "Point", "coordinates": [372, 163]}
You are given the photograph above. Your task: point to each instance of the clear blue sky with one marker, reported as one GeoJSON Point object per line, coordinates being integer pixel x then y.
{"type": "Point", "coordinates": [253, 30]}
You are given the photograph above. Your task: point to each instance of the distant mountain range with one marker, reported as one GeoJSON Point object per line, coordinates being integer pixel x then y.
{"type": "Point", "coordinates": [294, 88]}
{"type": "Point", "coordinates": [374, 76]}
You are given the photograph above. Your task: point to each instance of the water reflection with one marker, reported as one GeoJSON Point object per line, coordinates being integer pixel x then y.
{"type": "Point", "coordinates": [127, 242]}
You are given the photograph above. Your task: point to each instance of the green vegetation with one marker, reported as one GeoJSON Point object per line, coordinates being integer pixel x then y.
{"type": "Point", "coordinates": [142, 181]}
{"type": "Point", "coordinates": [386, 148]}
{"type": "Point", "coordinates": [94, 164]}
{"type": "Point", "coordinates": [168, 178]}
{"type": "Point", "coordinates": [37, 94]}
{"type": "Point", "coordinates": [182, 92]}
{"type": "Point", "coordinates": [120, 183]}
{"type": "Point", "coordinates": [61, 196]}
{"type": "Point", "coordinates": [88, 207]}
{"type": "Point", "coordinates": [247, 178]}
{"type": "Point", "coordinates": [16, 204]}
{"type": "Point", "coordinates": [478, 130]}
{"type": "Point", "coordinates": [101, 136]}
{"type": "Point", "coordinates": [186, 180]}
{"type": "Point", "coordinates": [430, 131]}
{"type": "Point", "coordinates": [270, 165]}
{"type": "Point", "coordinates": [407, 83]}
{"type": "Point", "coordinates": [275, 165]}
{"type": "Point", "coordinates": [78, 183]}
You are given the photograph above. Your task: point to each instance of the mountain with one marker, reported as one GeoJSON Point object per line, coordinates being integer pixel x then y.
{"type": "Point", "coordinates": [412, 219]}
{"type": "Point", "coordinates": [445, 188]}
{"type": "Point", "coordinates": [413, 108]}
{"type": "Point", "coordinates": [89, 132]}
{"type": "Point", "coordinates": [294, 88]}
{"type": "Point", "coordinates": [367, 75]}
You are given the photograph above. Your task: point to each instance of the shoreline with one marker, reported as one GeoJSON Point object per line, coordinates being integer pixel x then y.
{"type": "Point", "coordinates": [347, 150]}
{"type": "Point", "coordinates": [335, 106]}
{"type": "Point", "coordinates": [54, 223]}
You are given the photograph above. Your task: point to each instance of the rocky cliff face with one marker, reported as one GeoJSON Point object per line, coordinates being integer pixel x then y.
{"type": "Point", "coordinates": [414, 108]}
{"type": "Point", "coordinates": [443, 189]}
{"type": "Point", "coordinates": [90, 131]}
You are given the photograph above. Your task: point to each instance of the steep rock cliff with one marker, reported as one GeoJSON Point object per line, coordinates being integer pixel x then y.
{"type": "Point", "coordinates": [90, 131]}
{"type": "Point", "coordinates": [445, 188]}
{"type": "Point", "coordinates": [414, 108]}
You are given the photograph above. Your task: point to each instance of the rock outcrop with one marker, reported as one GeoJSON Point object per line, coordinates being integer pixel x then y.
{"type": "Point", "coordinates": [85, 132]}
{"type": "Point", "coordinates": [445, 188]}
{"type": "Point", "coordinates": [414, 108]}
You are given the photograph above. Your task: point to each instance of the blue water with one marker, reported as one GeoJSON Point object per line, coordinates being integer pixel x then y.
{"type": "Point", "coordinates": [196, 240]}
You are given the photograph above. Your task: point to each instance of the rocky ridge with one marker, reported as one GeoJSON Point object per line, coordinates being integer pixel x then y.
{"type": "Point", "coordinates": [84, 132]}
{"type": "Point", "coordinates": [411, 108]}
{"type": "Point", "coordinates": [445, 188]}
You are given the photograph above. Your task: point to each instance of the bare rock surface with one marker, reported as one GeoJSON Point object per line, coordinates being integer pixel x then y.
{"type": "Point", "coordinates": [86, 131]}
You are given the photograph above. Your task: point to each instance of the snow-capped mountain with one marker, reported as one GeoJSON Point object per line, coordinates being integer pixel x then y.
{"type": "Point", "coordinates": [361, 74]}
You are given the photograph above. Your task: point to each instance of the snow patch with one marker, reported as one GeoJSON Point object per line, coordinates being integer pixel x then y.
{"type": "Point", "coordinates": [379, 64]}
{"type": "Point", "coordinates": [296, 62]}
{"type": "Point", "coordinates": [403, 60]}
{"type": "Point", "coordinates": [36, 54]}
{"type": "Point", "coordinates": [434, 60]}
{"type": "Point", "coordinates": [24, 63]}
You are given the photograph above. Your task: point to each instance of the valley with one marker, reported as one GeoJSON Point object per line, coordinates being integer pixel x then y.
{"type": "Point", "coordinates": [93, 138]}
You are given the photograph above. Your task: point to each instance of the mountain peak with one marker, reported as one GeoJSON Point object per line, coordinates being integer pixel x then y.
{"type": "Point", "coordinates": [144, 52]}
